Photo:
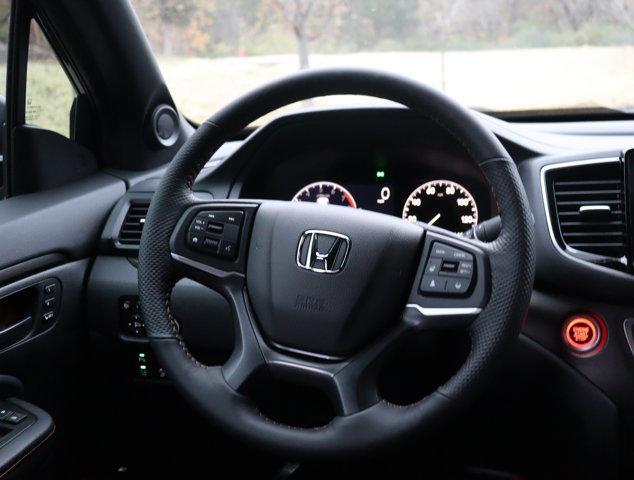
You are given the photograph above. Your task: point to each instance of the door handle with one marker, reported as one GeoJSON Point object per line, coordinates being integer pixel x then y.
{"type": "Point", "coordinates": [16, 332]}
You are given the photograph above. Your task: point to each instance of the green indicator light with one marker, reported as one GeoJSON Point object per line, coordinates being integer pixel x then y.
{"type": "Point", "coordinates": [380, 174]}
{"type": "Point", "coordinates": [141, 355]}
{"type": "Point", "coordinates": [142, 367]}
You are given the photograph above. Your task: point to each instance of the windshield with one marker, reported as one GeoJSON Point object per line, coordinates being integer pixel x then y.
{"type": "Point", "coordinates": [492, 55]}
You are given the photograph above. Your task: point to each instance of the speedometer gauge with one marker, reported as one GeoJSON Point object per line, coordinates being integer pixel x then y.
{"type": "Point", "coordinates": [442, 203]}
{"type": "Point", "coordinates": [325, 193]}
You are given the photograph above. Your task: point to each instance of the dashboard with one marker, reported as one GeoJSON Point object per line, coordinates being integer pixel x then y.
{"type": "Point", "coordinates": [394, 166]}
{"type": "Point", "coordinates": [397, 163]}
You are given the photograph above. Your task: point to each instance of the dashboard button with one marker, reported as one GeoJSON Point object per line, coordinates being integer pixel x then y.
{"type": "Point", "coordinates": [582, 333]}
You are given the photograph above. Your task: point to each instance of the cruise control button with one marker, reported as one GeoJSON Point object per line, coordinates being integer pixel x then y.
{"type": "Point", "coordinates": [457, 285]}
{"type": "Point", "coordinates": [431, 283]}
{"type": "Point", "coordinates": [465, 269]}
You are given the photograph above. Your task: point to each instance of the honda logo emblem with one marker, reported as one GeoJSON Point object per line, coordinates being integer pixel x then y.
{"type": "Point", "coordinates": [322, 252]}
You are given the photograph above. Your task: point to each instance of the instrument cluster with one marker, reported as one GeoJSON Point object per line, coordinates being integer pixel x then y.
{"type": "Point", "coordinates": [387, 161]}
{"type": "Point", "coordinates": [444, 203]}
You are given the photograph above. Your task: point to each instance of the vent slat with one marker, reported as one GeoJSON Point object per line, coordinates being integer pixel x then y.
{"type": "Point", "coordinates": [132, 226]}
{"type": "Point", "coordinates": [570, 193]}
{"type": "Point", "coordinates": [601, 233]}
{"type": "Point", "coordinates": [588, 182]}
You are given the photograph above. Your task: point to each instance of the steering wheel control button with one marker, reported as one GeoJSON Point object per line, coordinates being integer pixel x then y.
{"type": "Point", "coordinates": [228, 249]}
{"type": "Point", "coordinates": [433, 266]}
{"type": "Point", "coordinates": [582, 333]}
{"type": "Point", "coordinates": [446, 252]}
{"type": "Point", "coordinates": [465, 269]}
{"type": "Point", "coordinates": [216, 227]}
{"type": "Point", "coordinates": [457, 285]}
{"type": "Point", "coordinates": [216, 232]}
{"type": "Point", "coordinates": [449, 270]}
{"type": "Point", "coordinates": [433, 284]}
{"type": "Point", "coordinates": [211, 244]}
{"type": "Point", "coordinates": [229, 217]}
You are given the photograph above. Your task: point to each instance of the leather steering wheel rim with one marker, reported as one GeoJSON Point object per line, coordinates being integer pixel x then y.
{"type": "Point", "coordinates": [511, 258]}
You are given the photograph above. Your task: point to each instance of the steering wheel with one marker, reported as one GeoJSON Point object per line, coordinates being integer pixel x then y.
{"type": "Point", "coordinates": [321, 294]}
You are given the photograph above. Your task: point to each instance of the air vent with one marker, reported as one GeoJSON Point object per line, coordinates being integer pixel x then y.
{"type": "Point", "coordinates": [588, 207]}
{"type": "Point", "coordinates": [130, 233]}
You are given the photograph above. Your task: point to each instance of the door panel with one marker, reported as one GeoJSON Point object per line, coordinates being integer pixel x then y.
{"type": "Point", "coordinates": [47, 243]}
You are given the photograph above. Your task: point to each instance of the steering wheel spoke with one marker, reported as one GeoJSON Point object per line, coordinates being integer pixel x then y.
{"type": "Point", "coordinates": [452, 284]}
{"type": "Point", "coordinates": [350, 384]}
{"type": "Point", "coordinates": [246, 358]}
{"type": "Point", "coordinates": [210, 241]}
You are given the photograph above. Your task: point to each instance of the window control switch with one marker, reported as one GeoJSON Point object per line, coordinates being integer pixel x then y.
{"type": "Point", "coordinates": [14, 418]}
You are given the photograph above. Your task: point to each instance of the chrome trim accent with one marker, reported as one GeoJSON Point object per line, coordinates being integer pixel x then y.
{"type": "Point", "coordinates": [216, 272]}
{"type": "Point", "coordinates": [444, 311]}
{"type": "Point", "coordinates": [628, 327]}
{"type": "Point", "coordinates": [594, 208]}
{"type": "Point", "coordinates": [297, 351]}
{"type": "Point", "coordinates": [556, 166]}
{"type": "Point", "coordinates": [321, 256]}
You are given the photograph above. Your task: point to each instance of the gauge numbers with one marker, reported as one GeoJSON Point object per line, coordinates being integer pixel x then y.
{"type": "Point", "coordinates": [325, 193]}
{"type": "Point", "coordinates": [443, 203]}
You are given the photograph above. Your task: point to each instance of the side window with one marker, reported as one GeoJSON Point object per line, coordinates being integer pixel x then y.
{"type": "Point", "coordinates": [5, 22]}
{"type": "Point", "coordinates": [49, 93]}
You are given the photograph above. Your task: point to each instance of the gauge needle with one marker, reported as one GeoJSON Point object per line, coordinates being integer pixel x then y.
{"type": "Point", "coordinates": [434, 220]}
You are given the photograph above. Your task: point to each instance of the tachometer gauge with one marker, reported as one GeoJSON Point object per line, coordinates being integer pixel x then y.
{"type": "Point", "coordinates": [325, 193]}
{"type": "Point", "coordinates": [442, 203]}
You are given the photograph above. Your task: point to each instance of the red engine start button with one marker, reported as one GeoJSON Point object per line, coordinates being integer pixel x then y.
{"type": "Point", "coordinates": [582, 333]}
